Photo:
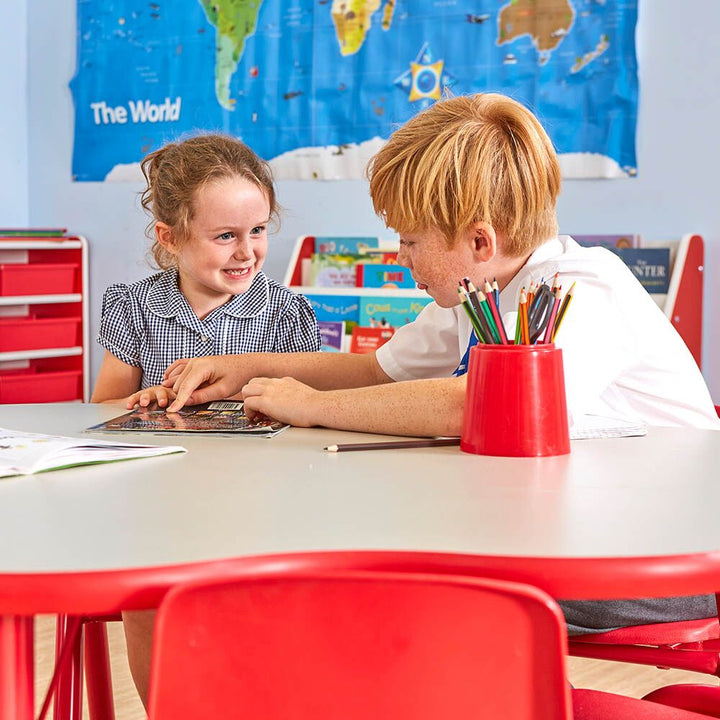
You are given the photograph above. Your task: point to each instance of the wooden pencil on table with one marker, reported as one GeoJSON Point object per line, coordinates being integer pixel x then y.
{"type": "Point", "coordinates": [394, 444]}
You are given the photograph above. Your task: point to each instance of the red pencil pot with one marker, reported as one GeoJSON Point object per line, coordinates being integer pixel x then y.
{"type": "Point", "coordinates": [515, 402]}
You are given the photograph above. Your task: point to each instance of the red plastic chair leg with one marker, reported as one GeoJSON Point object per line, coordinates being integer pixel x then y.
{"type": "Point", "coordinates": [703, 699]}
{"type": "Point", "coordinates": [17, 673]}
{"type": "Point", "coordinates": [98, 679]}
{"type": "Point", "coordinates": [69, 671]}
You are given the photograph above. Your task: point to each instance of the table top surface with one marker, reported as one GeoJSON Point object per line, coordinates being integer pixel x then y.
{"type": "Point", "coordinates": [237, 496]}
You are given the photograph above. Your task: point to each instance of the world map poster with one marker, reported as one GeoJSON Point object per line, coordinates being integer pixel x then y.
{"type": "Point", "coordinates": [316, 86]}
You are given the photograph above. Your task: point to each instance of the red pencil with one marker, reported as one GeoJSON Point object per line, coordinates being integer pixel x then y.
{"type": "Point", "coordinates": [495, 312]}
{"type": "Point", "coordinates": [549, 330]}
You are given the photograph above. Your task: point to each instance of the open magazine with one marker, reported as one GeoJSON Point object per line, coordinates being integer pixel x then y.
{"type": "Point", "coordinates": [24, 453]}
{"type": "Point", "coordinates": [220, 417]}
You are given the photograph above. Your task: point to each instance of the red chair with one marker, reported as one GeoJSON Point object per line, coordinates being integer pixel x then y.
{"type": "Point", "coordinates": [358, 645]}
{"type": "Point", "coordinates": [686, 645]}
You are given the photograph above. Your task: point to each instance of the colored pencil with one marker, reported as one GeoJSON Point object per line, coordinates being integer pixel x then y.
{"type": "Point", "coordinates": [483, 313]}
{"type": "Point", "coordinates": [474, 321]}
{"type": "Point", "coordinates": [551, 320]}
{"type": "Point", "coordinates": [394, 445]}
{"type": "Point", "coordinates": [522, 314]}
{"type": "Point", "coordinates": [495, 310]}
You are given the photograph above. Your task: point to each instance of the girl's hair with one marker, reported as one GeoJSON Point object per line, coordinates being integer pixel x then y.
{"type": "Point", "coordinates": [174, 174]}
{"type": "Point", "coordinates": [478, 158]}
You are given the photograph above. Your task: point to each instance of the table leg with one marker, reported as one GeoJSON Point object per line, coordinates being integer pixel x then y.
{"type": "Point", "coordinates": [17, 669]}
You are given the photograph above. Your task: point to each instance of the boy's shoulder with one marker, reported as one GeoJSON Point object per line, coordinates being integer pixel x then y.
{"type": "Point", "coordinates": [564, 255]}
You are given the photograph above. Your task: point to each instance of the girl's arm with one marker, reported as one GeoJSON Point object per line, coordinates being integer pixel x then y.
{"type": "Point", "coordinates": [116, 380]}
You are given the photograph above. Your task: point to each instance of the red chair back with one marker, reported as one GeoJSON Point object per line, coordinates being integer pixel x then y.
{"type": "Point", "coordinates": [359, 645]}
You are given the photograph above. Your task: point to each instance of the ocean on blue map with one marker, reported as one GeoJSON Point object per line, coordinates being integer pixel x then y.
{"type": "Point", "coordinates": [293, 79]}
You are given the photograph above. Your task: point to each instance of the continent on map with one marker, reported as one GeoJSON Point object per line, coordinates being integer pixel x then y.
{"type": "Point", "coordinates": [547, 22]}
{"type": "Point", "coordinates": [234, 21]}
{"type": "Point", "coordinates": [353, 19]}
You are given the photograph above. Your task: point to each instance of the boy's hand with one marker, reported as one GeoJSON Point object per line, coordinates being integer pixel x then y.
{"type": "Point", "coordinates": [156, 395]}
{"type": "Point", "coordinates": [284, 399]}
{"type": "Point", "coordinates": [199, 380]}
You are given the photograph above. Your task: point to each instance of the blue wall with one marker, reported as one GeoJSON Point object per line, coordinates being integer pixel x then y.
{"type": "Point", "coordinates": [676, 191]}
{"type": "Point", "coordinates": [14, 211]}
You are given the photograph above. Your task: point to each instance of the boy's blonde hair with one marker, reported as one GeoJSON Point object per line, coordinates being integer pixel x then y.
{"type": "Point", "coordinates": [467, 159]}
{"type": "Point", "coordinates": [174, 173]}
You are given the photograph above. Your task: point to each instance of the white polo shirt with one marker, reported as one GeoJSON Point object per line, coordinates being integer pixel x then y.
{"type": "Point", "coordinates": [621, 355]}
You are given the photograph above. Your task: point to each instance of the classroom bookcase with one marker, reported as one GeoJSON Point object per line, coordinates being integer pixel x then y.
{"type": "Point", "coordinates": [682, 305]}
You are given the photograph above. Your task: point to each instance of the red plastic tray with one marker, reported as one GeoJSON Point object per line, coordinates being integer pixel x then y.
{"type": "Point", "coordinates": [37, 278]}
{"type": "Point", "coordinates": [30, 386]}
{"type": "Point", "coordinates": [31, 333]}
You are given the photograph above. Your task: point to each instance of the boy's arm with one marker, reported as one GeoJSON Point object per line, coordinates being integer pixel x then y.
{"type": "Point", "coordinates": [200, 380]}
{"type": "Point", "coordinates": [116, 380]}
{"type": "Point", "coordinates": [414, 407]}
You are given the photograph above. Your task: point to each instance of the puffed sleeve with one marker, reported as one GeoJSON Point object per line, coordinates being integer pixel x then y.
{"type": "Point", "coordinates": [118, 329]}
{"type": "Point", "coordinates": [297, 329]}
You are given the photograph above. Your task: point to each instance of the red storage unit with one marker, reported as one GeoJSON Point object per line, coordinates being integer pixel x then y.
{"type": "Point", "coordinates": [30, 386]}
{"type": "Point", "coordinates": [43, 318]}
{"type": "Point", "coordinates": [33, 333]}
{"type": "Point", "coordinates": [37, 278]}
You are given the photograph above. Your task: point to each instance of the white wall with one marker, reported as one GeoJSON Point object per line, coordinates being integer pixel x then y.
{"type": "Point", "coordinates": [676, 190]}
{"type": "Point", "coordinates": [14, 210]}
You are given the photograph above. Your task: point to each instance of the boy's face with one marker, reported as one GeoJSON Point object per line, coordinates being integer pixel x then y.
{"type": "Point", "coordinates": [435, 267]}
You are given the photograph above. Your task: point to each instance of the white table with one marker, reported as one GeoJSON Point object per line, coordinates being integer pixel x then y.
{"type": "Point", "coordinates": [615, 518]}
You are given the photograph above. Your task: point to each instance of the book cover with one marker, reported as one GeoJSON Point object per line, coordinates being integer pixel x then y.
{"type": "Point", "coordinates": [335, 307]}
{"type": "Point", "coordinates": [21, 233]}
{"type": "Point", "coordinates": [391, 276]}
{"type": "Point", "coordinates": [626, 240]}
{"type": "Point", "coordinates": [384, 311]}
{"type": "Point", "coordinates": [651, 266]}
{"type": "Point", "coordinates": [332, 333]}
{"type": "Point", "coordinates": [24, 453]}
{"type": "Point", "coordinates": [369, 339]}
{"type": "Point", "coordinates": [344, 244]}
{"type": "Point", "coordinates": [220, 417]}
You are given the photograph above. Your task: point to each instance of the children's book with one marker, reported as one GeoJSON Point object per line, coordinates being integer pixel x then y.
{"type": "Point", "coordinates": [651, 266]}
{"type": "Point", "coordinates": [369, 339]}
{"type": "Point", "coordinates": [332, 333]}
{"type": "Point", "coordinates": [220, 417]}
{"type": "Point", "coordinates": [32, 232]}
{"type": "Point", "coordinates": [335, 307]}
{"type": "Point", "coordinates": [344, 244]}
{"type": "Point", "coordinates": [24, 453]}
{"type": "Point", "coordinates": [387, 311]}
{"type": "Point", "coordinates": [390, 276]}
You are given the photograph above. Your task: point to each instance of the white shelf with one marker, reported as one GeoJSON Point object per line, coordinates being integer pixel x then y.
{"type": "Point", "coordinates": [33, 244]}
{"type": "Point", "coordinates": [357, 291]}
{"type": "Point", "coordinates": [40, 299]}
{"type": "Point", "coordinates": [37, 354]}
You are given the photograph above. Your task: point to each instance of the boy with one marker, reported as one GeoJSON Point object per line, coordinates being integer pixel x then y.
{"type": "Point", "coordinates": [470, 185]}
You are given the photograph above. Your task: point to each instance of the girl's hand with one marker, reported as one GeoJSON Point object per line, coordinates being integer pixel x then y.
{"type": "Point", "coordinates": [158, 396]}
{"type": "Point", "coordinates": [284, 399]}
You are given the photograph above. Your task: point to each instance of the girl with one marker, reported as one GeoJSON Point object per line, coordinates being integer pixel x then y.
{"type": "Point", "coordinates": [211, 199]}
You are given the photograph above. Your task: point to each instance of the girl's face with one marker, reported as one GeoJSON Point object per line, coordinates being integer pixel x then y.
{"type": "Point", "coordinates": [227, 243]}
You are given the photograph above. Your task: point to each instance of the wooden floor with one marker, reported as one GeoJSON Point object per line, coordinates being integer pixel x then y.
{"type": "Point", "coordinates": [633, 680]}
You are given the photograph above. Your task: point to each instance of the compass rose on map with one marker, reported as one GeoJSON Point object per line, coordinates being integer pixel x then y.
{"type": "Point", "coordinates": [426, 78]}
